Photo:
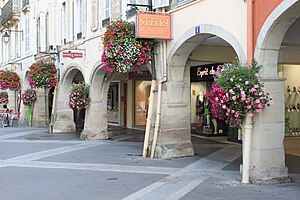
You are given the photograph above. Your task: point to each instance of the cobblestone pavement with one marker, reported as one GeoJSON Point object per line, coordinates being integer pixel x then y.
{"type": "Point", "coordinates": [35, 164]}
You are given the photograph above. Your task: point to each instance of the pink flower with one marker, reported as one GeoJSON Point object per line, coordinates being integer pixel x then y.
{"type": "Point", "coordinates": [246, 82]}
{"type": "Point", "coordinates": [234, 98]}
{"type": "Point", "coordinates": [250, 115]}
{"type": "Point", "coordinates": [249, 107]}
{"type": "Point", "coordinates": [256, 86]}
{"type": "Point", "coordinates": [257, 101]}
{"type": "Point", "coordinates": [224, 106]}
{"type": "Point", "coordinates": [231, 91]}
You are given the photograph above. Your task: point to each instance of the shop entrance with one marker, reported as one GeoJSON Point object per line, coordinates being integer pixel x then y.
{"type": "Point", "coordinates": [204, 61]}
{"type": "Point", "coordinates": [79, 115]}
{"type": "Point", "coordinates": [289, 69]}
{"type": "Point", "coordinates": [202, 122]}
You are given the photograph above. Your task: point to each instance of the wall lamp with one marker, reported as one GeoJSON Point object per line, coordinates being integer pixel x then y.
{"type": "Point", "coordinates": [6, 35]}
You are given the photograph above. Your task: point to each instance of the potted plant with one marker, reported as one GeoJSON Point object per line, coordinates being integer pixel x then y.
{"type": "Point", "coordinates": [9, 80]}
{"type": "Point", "coordinates": [122, 51]}
{"type": "Point", "coordinates": [29, 97]}
{"type": "Point", "coordinates": [42, 75]}
{"type": "Point", "coordinates": [4, 98]}
{"type": "Point", "coordinates": [79, 96]}
{"type": "Point", "coordinates": [237, 92]}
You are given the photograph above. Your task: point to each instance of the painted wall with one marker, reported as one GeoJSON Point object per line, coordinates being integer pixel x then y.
{"type": "Point", "coordinates": [258, 11]}
{"type": "Point", "coordinates": [231, 15]}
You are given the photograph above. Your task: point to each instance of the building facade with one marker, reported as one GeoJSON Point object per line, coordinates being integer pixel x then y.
{"type": "Point", "coordinates": [205, 33]}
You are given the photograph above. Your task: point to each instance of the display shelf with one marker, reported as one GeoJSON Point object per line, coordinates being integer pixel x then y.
{"type": "Point", "coordinates": [292, 112]}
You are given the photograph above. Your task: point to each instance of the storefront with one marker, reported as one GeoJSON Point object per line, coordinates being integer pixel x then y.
{"type": "Point", "coordinates": [202, 121]}
{"type": "Point", "coordinates": [142, 84]}
{"type": "Point", "coordinates": [113, 103]}
{"type": "Point", "coordinates": [292, 98]}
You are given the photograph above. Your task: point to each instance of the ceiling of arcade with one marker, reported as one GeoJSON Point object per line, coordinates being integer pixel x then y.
{"type": "Point", "coordinates": [290, 46]}
{"type": "Point", "coordinates": [212, 50]}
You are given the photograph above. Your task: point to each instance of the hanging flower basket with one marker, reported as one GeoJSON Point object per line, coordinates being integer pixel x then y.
{"type": "Point", "coordinates": [237, 92]}
{"type": "Point", "coordinates": [9, 80]}
{"type": "Point", "coordinates": [79, 96]}
{"type": "Point", "coordinates": [29, 97]}
{"type": "Point", "coordinates": [122, 51]}
{"type": "Point", "coordinates": [4, 98]}
{"type": "Point", "coordinates": [42, 75]}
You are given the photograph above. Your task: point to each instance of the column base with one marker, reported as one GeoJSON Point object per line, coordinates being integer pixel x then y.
{"type": "Point", "coordinates": [272, 175]}
{"type": "Point", "coordinates": [94, 135]}
{"type": "Point", "coordinates": [173, 150]}
{"type": "Point", "coordinates": [64, 127]}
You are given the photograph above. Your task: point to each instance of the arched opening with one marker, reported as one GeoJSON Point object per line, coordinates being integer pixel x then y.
{"type": "Point", "coordinates": [278, 50]}
{"type": "Point", "coordinates": [67, 120]}
{"type": "Point", "coordinates": [289, 69]}
{"type": "Point", "coordinates": [202, 62]}
{"type": "Point", "coordinates": [194, 52]}
{"type": "Point", "coordinates": [112, 110]}
{"type": "Point", "coordinates": [78, 115]}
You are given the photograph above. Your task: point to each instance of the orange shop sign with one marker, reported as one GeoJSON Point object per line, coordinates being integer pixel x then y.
{"type": "Point", "coordinates": [154, 26]}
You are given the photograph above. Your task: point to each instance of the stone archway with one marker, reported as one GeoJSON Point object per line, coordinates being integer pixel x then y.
{"type": "Point", "coordinates": [267, 153]}
{"type": "Point", "coordinates": [95, 126]}
{"type": "Point", "coordinates": [175, 134]}
{"type": "Point", "coordinates": [64, 120]}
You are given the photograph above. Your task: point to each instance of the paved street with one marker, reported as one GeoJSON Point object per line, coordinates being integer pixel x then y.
{"type": "Point", "coordinates": [37, 165]}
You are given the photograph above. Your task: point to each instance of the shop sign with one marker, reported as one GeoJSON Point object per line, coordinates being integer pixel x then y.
{"type": "Point", "coordinates": [203, 72]}
{"type": "Point", "coordinates": [140, 75]}
{"type": "Point", "coordinates": [72, 55]}
{"type": "Point", "coordinates": [153, 26]}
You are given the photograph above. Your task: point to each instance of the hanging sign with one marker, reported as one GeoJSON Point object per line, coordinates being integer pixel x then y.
{"type": "Point", "coordinates": [153, 26]}
{"type": "Point", "coordinates": [72, 55]}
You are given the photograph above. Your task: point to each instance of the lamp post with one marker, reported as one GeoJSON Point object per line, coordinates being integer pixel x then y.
{"type": "Point", "coordinates": [6, 35]}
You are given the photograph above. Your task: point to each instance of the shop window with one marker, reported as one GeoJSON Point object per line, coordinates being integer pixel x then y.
{"type": "Point", "coordinates": [113, 103]}
{"type": "Point", "coordinates": [292, 99]}
{"type": "Point", "coordinates": [142, 94]}
{"type": "Point", "coordinates": [202, 121]}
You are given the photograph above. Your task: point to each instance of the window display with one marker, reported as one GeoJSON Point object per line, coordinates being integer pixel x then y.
{"type": "Point", "coordinates": [202, 121]}
{"type": "Point", "coordinates": [292, 111]}
{"type": "Point", "coordinates": [142, 93]}
{"type": "Point", "coordinates": [290, 73]}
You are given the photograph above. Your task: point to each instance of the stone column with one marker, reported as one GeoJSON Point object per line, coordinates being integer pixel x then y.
{"type": "Point", "coordinates": [39, 119]}
{"type": "Point", "coordinates": [64, 120]}
{"type": "Point", "coordinates": [267, 151]}
{"type": "Point", "coordinates": [174, 139]}
{"type": "Point", "coordinates": [95, 124]}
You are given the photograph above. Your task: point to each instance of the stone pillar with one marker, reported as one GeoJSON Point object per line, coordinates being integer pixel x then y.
{"type": "Point", "coordinates": [64, 119]}
{"type": "Point", "coordinates": [39, 118]}
{"type": "Point", "coordinates": [174, 138]}
{"type": "Point", "coordinates": [23, 114]}
{"type": "Point", "coordinates": [95, 124]}
{"type": "Point", "coordinates": [267, 151]}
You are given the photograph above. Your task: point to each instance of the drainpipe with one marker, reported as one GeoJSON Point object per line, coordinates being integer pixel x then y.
{"type": "Point", "coordinates": [159, 99]}
{"type": "Point", "coordinates": [150, 112]}
{"type": "Point", "coordinates": [246, 150]}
